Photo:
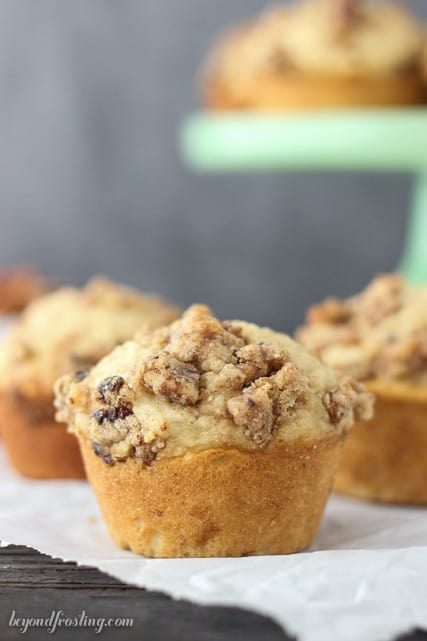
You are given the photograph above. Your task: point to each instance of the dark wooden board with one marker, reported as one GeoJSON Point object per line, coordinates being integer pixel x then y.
{"type": "Point", "coordinates": [33, 585]}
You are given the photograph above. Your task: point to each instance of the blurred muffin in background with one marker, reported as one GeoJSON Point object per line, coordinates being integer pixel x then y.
{"type": "Point", "coordinates": [19, 286]}
{"type": "Point", "coordinates": [210, 438]}
{"type": "Point", "coordinates": [380, 337]}
{"type": "Point", "coordinates": [318, 54]}
{"type": "Point", "coordinates": [424, 67]}
{"type": "Point", "coordinates": [68, 330]}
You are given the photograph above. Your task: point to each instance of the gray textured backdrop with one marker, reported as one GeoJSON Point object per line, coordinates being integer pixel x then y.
{"type": "Point", "coordinates": [92, 93]}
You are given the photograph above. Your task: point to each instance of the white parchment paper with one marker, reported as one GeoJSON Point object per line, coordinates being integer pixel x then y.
{"type": "Point", "coordinates": [365, 578]}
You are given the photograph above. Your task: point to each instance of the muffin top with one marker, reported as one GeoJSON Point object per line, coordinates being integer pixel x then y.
{"type": "Point", "coordinates": [71, 329]}
{"type": "Point", "coordinates": [253, 47]}
{"type": "Point", "coordinates": [351, 37]}
{"type": "Point", "coordinates": [200, 384]}
{"type": "Point", "coordinates": [379, 334]}
{"type": "Point", "coordinates": [347, 38]}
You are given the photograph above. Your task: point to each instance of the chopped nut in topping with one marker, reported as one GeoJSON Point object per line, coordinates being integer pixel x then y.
{"type": "Point", "coordinates": [257, 360]}
{"type": "Point", "coordinates": [254, 411]}
{"type": "Point", "coordinates": [293, 387]}
{"type": "Point", "coordinates": [259, 406]}
{"type": "Point", "coordinates": [348, 403]}
{"type": "Point", "coordinates": [231, 377]}
{"type": "Point", "coordinates": [176, 381]}
{"type": "Point", "coordinates": [201, 339]}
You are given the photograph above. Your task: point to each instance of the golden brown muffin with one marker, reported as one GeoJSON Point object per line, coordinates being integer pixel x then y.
{"type": "Point", "coordinates": [192, 430]}
{"type": "Point", "coordinates": [424, 68]}
{"type": "Point", "coordinates": [19, 286]}
{"type": "Point", "coordinates": [319, 54]}
{"type": "Point", "coordinates": [65, 331]}
{"type": "Point", "coordinates": [380, 337]}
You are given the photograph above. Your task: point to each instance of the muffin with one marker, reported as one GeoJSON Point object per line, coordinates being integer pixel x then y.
{"type": "Point", "coordinates": [192, 430]}
{"type": "Point", "coordinates": [318, 54]}
{"type": "Point", "coordinates": [68, 330]}
{"type": "Point", "coordinates": [19, 286]}
{"type": "Point", "coordinates": [424, 68]}
{"type": "Point", "coordinates": [380, 337]}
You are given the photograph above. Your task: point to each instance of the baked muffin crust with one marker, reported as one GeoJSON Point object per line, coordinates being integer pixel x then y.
{"type": "Point", "coordinates": [201, 384]}
{"type": "Point", "coordinates": [378, 334]}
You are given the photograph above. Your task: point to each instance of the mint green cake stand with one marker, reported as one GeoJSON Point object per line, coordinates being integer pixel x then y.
{"type": "Point", "coordinates": [369, 140]}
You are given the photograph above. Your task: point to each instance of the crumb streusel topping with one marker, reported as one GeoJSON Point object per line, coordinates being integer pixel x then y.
{"type": "Point", "coordinates": [71, 329]}
{"type": "Point", "coordinates": [200, 384]}
{"type": "Point", "coordinates": [379, 334]}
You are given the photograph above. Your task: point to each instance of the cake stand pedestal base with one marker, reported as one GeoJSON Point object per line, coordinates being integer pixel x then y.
{"type": "Point", "coordinates": [414, 261]}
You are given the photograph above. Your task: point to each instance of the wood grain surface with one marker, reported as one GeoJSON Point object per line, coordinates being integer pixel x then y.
{"type": "Point", "coordinates": [33, 585]}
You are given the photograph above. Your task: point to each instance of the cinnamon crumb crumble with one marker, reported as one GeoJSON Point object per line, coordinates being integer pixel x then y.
{"type": "Point", "coordinates": [200, 383]}
{"type": "Point", "coordinates": [381, 333]}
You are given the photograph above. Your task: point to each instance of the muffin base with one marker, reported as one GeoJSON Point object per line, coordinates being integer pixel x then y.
{"type": "Point", "coordinates": [386, 459]}
{"type": "Point", "coordinates": [36, 445]}
{"type": "Point", "coordinates": [219, 502]}
{"type": "Point", "coordinates": [271, 92]}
